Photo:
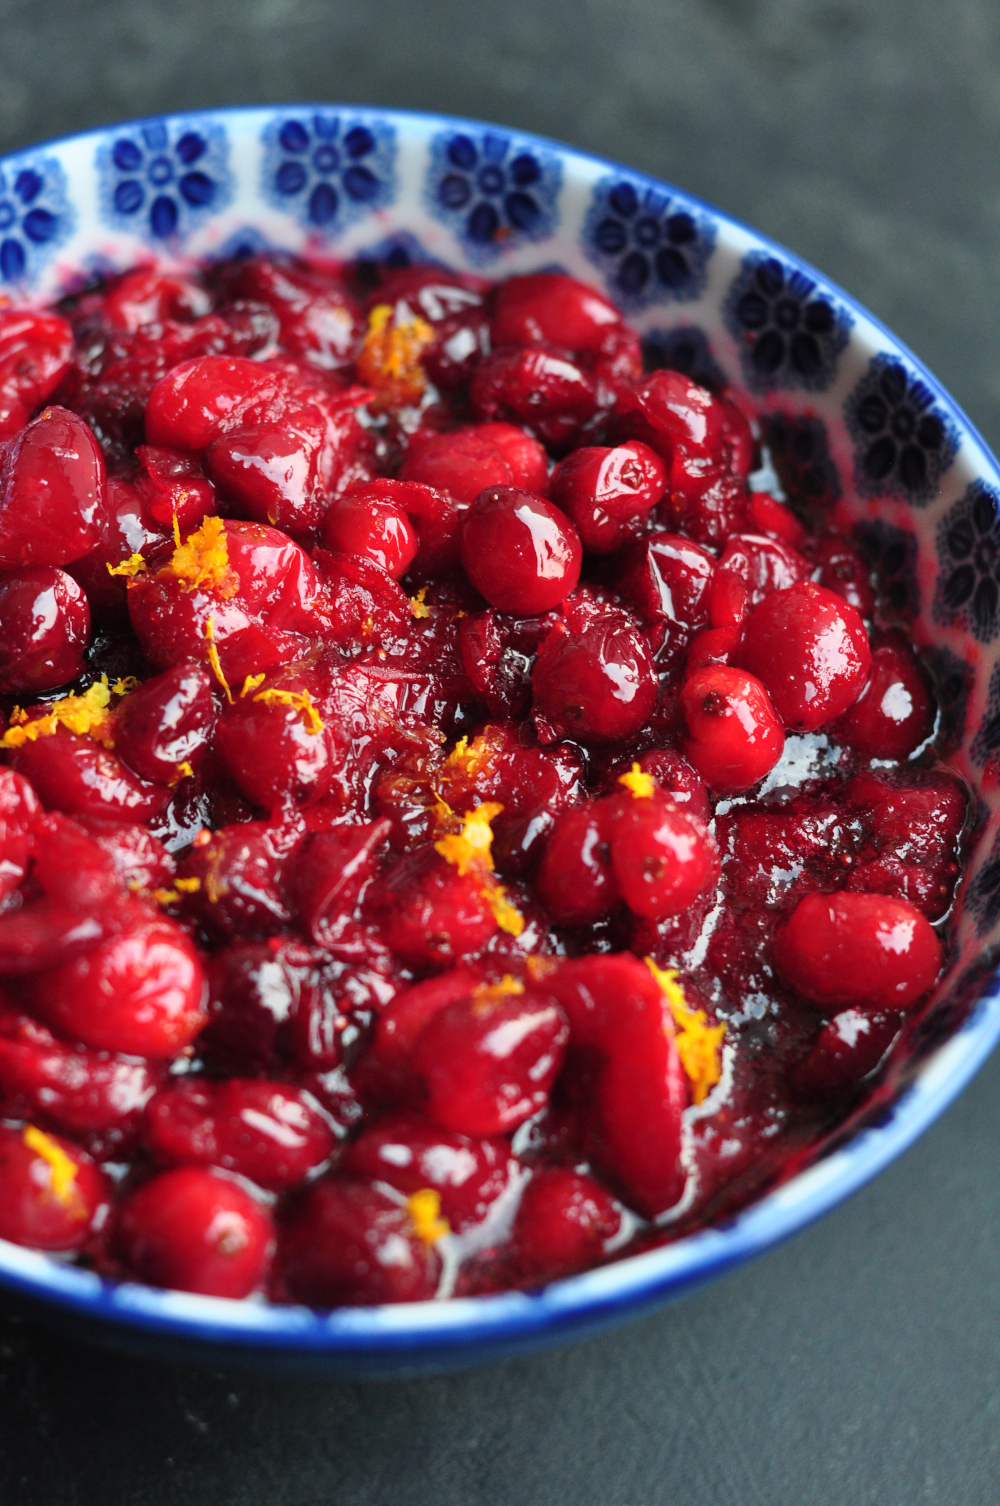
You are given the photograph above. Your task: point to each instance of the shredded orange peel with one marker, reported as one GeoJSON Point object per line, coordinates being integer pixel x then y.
{"type": "Point", "coordinates": [418, 605]}
{"type": "Point", "coordinates": [62, 1169]}
{"type": "Point", "coordinates": [203, 560]}
{"type": "Point", "coordinates": [471, 850]}
{"type": "Point", "coordinates": [424, 1208]}
{"type": "Point", "coordinates": [389, 360]}
{"type": "Point", "coordinates": [698, 1042]}
{"type": "Point", "coordinates": [640, 785]}
{"type": "Point", "coordinates": [87, 715]}
{"type": "Point", "coordinates": [134, 565]}
{"type": "Point", "coordinates": [485, 995]}
{"type": "Point", "coordinates": [299, 700]}
{"type": "Point", "coordinates": [213, 658]}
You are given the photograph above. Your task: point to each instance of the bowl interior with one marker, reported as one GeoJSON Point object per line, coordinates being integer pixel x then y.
{"type": "Point", "coordinates": [851, 419]}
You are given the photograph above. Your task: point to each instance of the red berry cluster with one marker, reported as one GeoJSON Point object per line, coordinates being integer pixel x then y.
{"type": "Point", "coordinates": [401, 889]}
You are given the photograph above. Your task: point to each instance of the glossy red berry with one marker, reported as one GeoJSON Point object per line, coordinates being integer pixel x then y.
{"type": "Point", "coordinates": [274, 743]}
{"type": "Point", "coordinates": [194, 1231]}
{"type": "Point", "coordinates": [460, 463]}
{"type": "Point", "coordinates": [894, 713]}
{"type": "Point", "coordinates": [551, 308]}
{"type": "Point", "coordinates": [82, 778]}
{"type": "Point", "coordinates": [50, 1190]}
{"type": "Point", "coordinates": [849, 1048]}
{"type": "Point", "coordinates": [318, 319]}
{"type": "Point", "coordinates": [266, 1131]}
{"type": "Point", "coordinates": [596, 686]}
{"type": "Point", "coordinates": [166, 722]}
{"type": "Point", "coordinates": [35, 352]}
{"type": "Point", "coordinates": [239, 879]}
{"type": "Point", "coordinates": [141, 992]}
{"type": "Point", "coordinates": [810, 651]}
{"type": "Point", "coordinates": [374, 527]}
{"type": "Point", "coordinates": [563, 1222]}
{"type": "Point", "coordinates": [331, 870]}
{"type": "Point", "coordinates": [409, 1153]}
{"type": "Point", "coordinates": [18, 810]}
{"type": "Point", "coordinates": [575, 880]}
{"type": "Point", "coordinates": [487, 1062]}
{"type": "Point", "coordinates": [860, 951]}
{"type": "Point", "coordinates": [51, 492]}
{"type": "Point", "coordinates": [519, 551]}
{"type": "Point", "coordinates": [44, 627]}
{"type": "Point", "coordinates": [525, 456]}
{"type": "Point", "coordinates": [734, 735]}
{"type": "Point", "coordinates": [383, 1073]}
{"type": "Point", "coordinates": [432, 915]}
{"type": "Point", "coordinates": [843, 571]}
{"type": "Point", "coordinates": [345, 1241]}
{"type": "Point", "coordinates": [608, 493]}
{"type": "Point", "coordinates": [762, 564]}
{"type": "Point", "coordinates": [537, 386]}
{"type": "Point", "coordinates": [663, 858]}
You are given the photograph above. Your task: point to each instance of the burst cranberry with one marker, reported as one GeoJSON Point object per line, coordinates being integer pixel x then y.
{"type": "Point", "coordinates": [487, 1062]}
{"type": "Point", "coordinates": [166, 722]}
{"type": "Point", "coordinates": [810, 650]}
{"type": "Point", "coordinates": [51, 492]}
{"type": "Point", "coordinates": [383, 1073]}
{"type": "Point", "coordinates": [18, 809]}
{"type": "Point", "coordinates": [191, 406]}
{"type": "Point", "coordinates": [331, 871]}
{"type": "Point", "coordinates": [195, 1231]}
{"type": "Point", "coordinates": [238, 874]}
{"type": "Point", "coordinates": [894, 713]}
{"type": "Point", "coordinates": [318, 318]}
{"type": "Point", "coordinates": [519, 551]}
{"type": "Point", "coordinates": [734, 735]}
{"type": "Point", "coordinates": [767, 515]}
{"type": "Point", "coordinates": [675, 776]}
{"type": "Point", "coordinates": [843, 571]}
{"type": "Point", "coordinates": [461, 463]}
{"type": "Point", "coordinates": [597, 686]}
{"type": "Point", "coordinates": [345, 1241]}
{"type": "Point", "coordinates": [374, 527]}
{"type": "Point", "coordinates": [149, 296]}
{"type": "Point", "coordinates": [265, 1131]}
{"type": "Point", "coordinates": [431, 914]}
{"type": "Point", "coordinates": [563, 1222]}
{"type": "Point", "coordinates": [861, 951]}
{"type": "Point", "coordinates": [78, 776]}
{"type": "Point", "coordinates": [50, 1190]}
{"type": "Point", "coordinates": [525, 456]}
{"type": "Point", "coordinates": [663, 858]}
{"type": "Point", "coordinates": [575, 879]}
{"type": "Point", "coordinates": [255, 990]}
{"type": "Point", "coordinates": [271, 473]}
{"type": "Point", "coordinates": [608, 494]}
{"type": "Point", "coordinates": [35, 353]}
{"type": "Point", "coordinates": [763, 565]}
{"type": "Point", "coordinates": [409, 1153]}
{"type": "Point", "coordinates": [551, 308]}
{"type": "Point", "coordinates": [435, 516]}
{"type": "Point", "coordinates": [668, 580]}
{"type": "Point", "coordinates": [139, 860]}
{"type": "Point", "coordinates": [849, 1048]}
{"type": "Point", "coordinates": [141, 992]}
{"type": "Point", "coordinates": [275, 745]}
{"type": "Point", "coordinates": [538, 387]}
{"type": "Point", "coordinates": [44, 627]}
{"type": "Point", "coordinates": [173, 485]}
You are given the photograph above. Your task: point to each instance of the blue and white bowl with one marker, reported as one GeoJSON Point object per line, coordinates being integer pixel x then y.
{"type": "Point", "coordinates": [848, 409]}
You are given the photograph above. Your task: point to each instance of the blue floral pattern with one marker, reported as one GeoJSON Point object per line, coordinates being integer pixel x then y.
{"type": "Point", "coordinates": [968, 546]}
{"type": "Point", "coordinates": [903, 443]}
{"type": "Point", "coordinates": [986, 743]}
{"type": "Point", "coordinates": [165, 178]}
{"type": "Point", "coordinates": [800, 453]}
{"type": "Point", "coordinates": [328, 170]}
{"type": "Point", "coordinates": [492, 191]}
{"type": "Point", "coordinates": [789, 333]}
{"type": "Point", "coordinates": [953, 682]}
{"type": "Point", "coordinates": [684, 349]}
{"type": "Point", "coordinates": [35, 217]}
{"type": "Point", "coordinates": [983, 898]}
{"type": "Point", "coordinates": [893, 553]}
{"type": "Point", "coordinates": [651, 246]}
{"type": "Point", "coordinates": [396, 251]}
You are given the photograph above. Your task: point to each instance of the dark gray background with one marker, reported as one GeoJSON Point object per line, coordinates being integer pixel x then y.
{"type": "Point", "coordinates": [859, 1363]}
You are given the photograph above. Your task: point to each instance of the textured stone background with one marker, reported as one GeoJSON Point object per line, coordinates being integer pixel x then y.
{"type": "Point", "coordinates": [860, 1363]}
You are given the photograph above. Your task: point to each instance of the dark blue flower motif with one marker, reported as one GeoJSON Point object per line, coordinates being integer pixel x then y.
{"type": "Point", "coordinates": [789, 332]}
{"type": "Point", "coordinates": [651, 246]}
{"type": "Point", "coordinates": [393, 252]}
{"type": "Point", "coordinates": [903, 443]}
{"type": "Point", "coordinates": [953, 681]}
{"type": "Point", "coordinates": [35, 216]}
{"type": "Point", "coordinates": [892, 552]}
{"type": "Point", "coordinates": [983, 897]}
{"type": "Point", "coordinates": [162, 180]}
{"type": "Point", "coordinates": [968, 545]}
{"type": "Point", "coordinates": [800, 453]}
{"type": "Point", "coordinates": [986, 743]}
{"type": "Point", "coordinates": [329, 170]}
{"type": "Point", "coordinates": [494, 192]}
{"type": "Point", "coordinates": [685, 349]}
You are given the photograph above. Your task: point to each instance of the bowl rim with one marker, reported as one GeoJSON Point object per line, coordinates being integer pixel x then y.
{"type": "Point", "coordinates": [598, 1297]}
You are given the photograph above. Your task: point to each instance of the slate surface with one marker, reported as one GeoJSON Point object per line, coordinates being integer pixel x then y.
{"type": "Point", "coordinates": [860, 1362]}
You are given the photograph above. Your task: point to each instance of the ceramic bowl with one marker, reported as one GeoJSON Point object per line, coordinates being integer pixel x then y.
{"type": "Point", "coordinates": [851, 418]}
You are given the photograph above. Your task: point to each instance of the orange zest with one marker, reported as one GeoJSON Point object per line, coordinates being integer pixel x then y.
{"type": "Point", "coordinates": [698, 1042]}
{"type": "Point", "coordinates": [203, 560]}
{"type": "Point", "coordinates": [214, 660]}
{"type": "Point", "coordinates": [298, 700]}
{"type": "Point", "coordinates": [390, 358]}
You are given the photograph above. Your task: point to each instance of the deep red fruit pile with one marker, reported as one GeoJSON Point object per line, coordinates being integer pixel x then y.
{"type": "Point", "coordinates": [390, 901]}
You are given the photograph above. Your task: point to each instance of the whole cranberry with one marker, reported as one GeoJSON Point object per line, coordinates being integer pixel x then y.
{"type": "Point", "coordinates": [44, 627]}
{"type": "Point", "coordinates": [383, 1074]}
{"type": "Point", "coordinates": [141, 992]}
{"type": "Point", "coordinates": [274, 743]}
{"type": "Point", "coordinates": [608, 493]}
{"type": "Point", "coordinates": [345, 1241]}
{"type": "Point", "coordinates": [331, 869]}
{"type": "Point", "coordinates": [270, 1132]}
{"type": "Point", "coordinates": [194, 403]}
{"type": "Point", "coordinates": [487, 1062]}
{"type": "Point", "coordinates": [138, 859]}
{"type": "Point", "coordinates": [18, 810]}
{"type": "Point", "coordinates": [575, 879]}
{"type": "Point", "coordinates": [858, 951]}
{"type": "Point", "coordinates": [843, 571]}
{"type": "Point", "coordinates": [597, 686]}
{"type": "Point", "coordinates": [271, 473]}
{"type": "Point", "coordinates": [551, 308]}
{"type": "Point", "coordinates": [432, 915]}
{"type": "Point", "coordinates": [35, 353]}
{"type": "Point", "coordinates": [667, 579]}
{"type": "Point", "coordinates": [373, 526]}
{"type": "Point", "coordinates": [408, 1152]}
{"type": "Point", "coordinates": [519, 551]}
{"type": "Point", "coordinates": [849, 1048]}
{"type": "Point", "coordinates": [663, 858]}
{"type": "Point", "coordinates": [768, 515]}
{"type": "Point", "coordinates": [194, 1231]}
{"type": "Point", "coordinates": [460, 463]}
{"type": "Point", "coordinates": [319, 319]}
{"type": "Point", "coordinates": [239, 874]}
{"type": "Point", "coordinates": [149, 296]}
{"type": "Point", "coordinates": [895, 711]}
{"type": "Point", "coordinates": [537, 386]}
{"type": "Point", "coordinates": [734, 735]}
{"type": "Point", "coordinates": [78, 776]}
{"type": "Point", "coordinates": [167, 721]}
{"type": "Point", "coordinates": [676, 777]}
{"type": "Point", "coordinates": [525, 456]}
{"type": "Point", "coordinates": [255, 991]}
{"type": "Point", "coordinates": [173, 485]}
{"type": "Point", "coordinates": [762, 564]}
{"type": "Point", "coordinates": [51, 492]}
{"type": "Point", "coordinates": [810, 651]}
{"type": "Point", "coordinates": [434, 515]}
{"type": "Point", "coordinates": [50, 1190]}
{"type": "Point", "coordinates": [563, 1221]}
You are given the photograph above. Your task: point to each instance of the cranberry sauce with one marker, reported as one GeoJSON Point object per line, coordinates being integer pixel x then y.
{"type": "Point", "coordinates": [456, 827]}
